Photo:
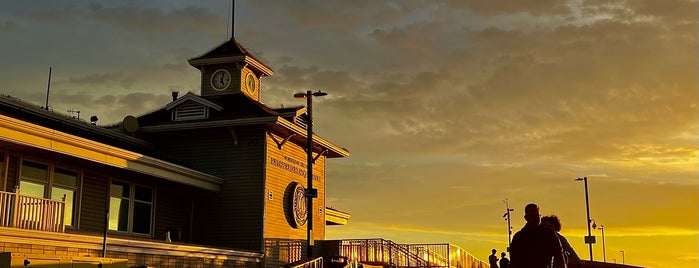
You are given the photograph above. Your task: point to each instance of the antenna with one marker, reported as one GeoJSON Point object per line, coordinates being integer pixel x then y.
{"type": "Point", "coordinates": [71, 111]}
{"type": "Point", "coordinates": [232, 21]}
{"type": "Point", "coordinates": [48, 89]}
{"type": "Point", "coordinates": [231, 14]}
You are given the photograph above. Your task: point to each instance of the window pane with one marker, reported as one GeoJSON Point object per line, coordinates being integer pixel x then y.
{"type": "Point", "coordinates": [119, 189]}
{"type": "Point", "coordinates": [31, 189]}
{"type": "Point", "coordinates": [118, 214]}
{"type": "Point", "coordinates": [57, 194]}
{"type": "Point", "coordinates": [144, 194]}
{"type": "Point", "coordinates": [65, 177]}
{"type": "Point", "coordinates": [141, 218]}
{"type": "Point", "coordinates": [34, 170]}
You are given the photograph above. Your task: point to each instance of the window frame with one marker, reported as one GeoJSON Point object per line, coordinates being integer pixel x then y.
{"type": "Point", "coordinates": [49, 184]}
{"type": "Point", "coordinates": [132, 201]}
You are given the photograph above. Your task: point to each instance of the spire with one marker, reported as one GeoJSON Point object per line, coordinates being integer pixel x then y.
{"type": "Point", "coordinates": [232, 20]}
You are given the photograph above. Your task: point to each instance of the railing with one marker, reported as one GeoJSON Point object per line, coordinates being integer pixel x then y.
{"type": "Point", "coordinates": [408, 255]}
{"type": "Point", "coordinates": [33, 213]}
{"type": "Point", "coordinates": [314, 263]}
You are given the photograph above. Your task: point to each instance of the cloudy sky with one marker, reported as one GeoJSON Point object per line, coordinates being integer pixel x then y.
{"type": "Point", "coordinates": [448, 107]}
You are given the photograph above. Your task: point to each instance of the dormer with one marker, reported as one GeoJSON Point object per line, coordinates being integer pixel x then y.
{"type": "Point", "coordinates": [230, 69]}
{"type": "Point", "coordinates": [191, 107]}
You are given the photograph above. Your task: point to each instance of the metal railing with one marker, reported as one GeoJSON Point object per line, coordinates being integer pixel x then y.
{"type": "Point", "coordinates": [408, 255]}
{"type": "Point", "coordinates": [32, 213]}
{"type": "Point", "coordinates": [314, 263]}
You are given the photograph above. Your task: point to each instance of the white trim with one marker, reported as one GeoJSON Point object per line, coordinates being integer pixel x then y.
{"type": "Point", "coordinates": [21, 132]}
{"type": "Point", "coordinates": [221, 60]}
{"type": "Point", "coordinates": [22, 236]}
{"type": "Point", "coordinates": [191, 97]}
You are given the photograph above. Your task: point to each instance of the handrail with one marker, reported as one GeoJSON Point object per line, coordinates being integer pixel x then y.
{"type": "Point", "coordinates": [313, 263]}
{"type": "Point", "coordinates": [379, 250]}
{"type": "Point", "coordinates": [33, 213]}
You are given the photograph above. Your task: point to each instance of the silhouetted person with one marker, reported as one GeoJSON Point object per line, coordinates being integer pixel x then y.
{"type": "Point", "coordinates": [493, 259]}
{"type": "Point", "coordinates": [552, 222]}
{"type": "Point", "coordinates": [504, 262]}
{"type": "Point", "coordinates": [534, 246]}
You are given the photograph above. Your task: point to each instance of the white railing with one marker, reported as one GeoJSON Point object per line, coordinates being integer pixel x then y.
{"type": "Point", "coordinates": [314, 263]}
{"type": "Point", "coordinates": [33, 213]}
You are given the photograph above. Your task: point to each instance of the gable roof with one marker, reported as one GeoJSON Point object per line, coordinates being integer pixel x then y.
{"type": "Point", "coordinates": [192, 97]}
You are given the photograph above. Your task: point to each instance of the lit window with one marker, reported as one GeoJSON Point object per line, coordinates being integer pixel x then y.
{"type": "Point", "coordinates": [130, 208]}
{"type": "Point", "coordinates": [43, 181]}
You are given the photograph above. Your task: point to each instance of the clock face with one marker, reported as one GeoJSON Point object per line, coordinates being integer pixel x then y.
{"type": "Point", "coordinates": [221, 79]}
{"type": "Point", "coordinates": [250, 83]}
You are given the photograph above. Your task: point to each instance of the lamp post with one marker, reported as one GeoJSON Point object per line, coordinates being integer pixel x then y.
{"type": "Point", "coordinates": [604, 250]}
{"type": "Point", "coordinates": [589, 239]}
{"type": "Point", "coordinates": [622, 257]}
{"type": "Point", "coordinates": [310, 193]}
{"type": "Point", "coordinates": [509, 227]}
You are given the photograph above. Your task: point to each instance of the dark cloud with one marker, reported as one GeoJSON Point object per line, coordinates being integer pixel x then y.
{"type": "Point", "coordinates": [136, 18]}
{"type": "Point", "coordinates": [97, 79]}
{"type": "Point", "coordinates": [534, 7]}
{"type": "Point", "coordinates": [8, 25]}
{"type": "Point", "coordinates": [342, 16]}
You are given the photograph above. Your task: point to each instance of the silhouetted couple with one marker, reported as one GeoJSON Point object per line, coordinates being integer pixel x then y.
{"type": "Point", "coordinates": [493, 259]}
{"type": "Point", "coordinates": [535, 245]}
{"type": "Point", "coordinates": [504, 262]}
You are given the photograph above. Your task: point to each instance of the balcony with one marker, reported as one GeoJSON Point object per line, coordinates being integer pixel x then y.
{"type": "Point", "coordinates": [31, 213]}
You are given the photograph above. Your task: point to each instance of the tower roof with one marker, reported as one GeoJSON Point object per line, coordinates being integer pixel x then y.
{"type": "Point", "coordinates": [230, 51]}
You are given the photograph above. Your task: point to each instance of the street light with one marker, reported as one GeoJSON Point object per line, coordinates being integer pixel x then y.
{"type": "Point", "coordinates": [622, 257]}
{"type": "Point", "coordinates": [310, 193]}
{"type": "Point", "coordinates": [589, 239]}
{"type": "Point", "coordinates": [604, 250]}
{"type": "Point", "coordinates": [509, 227]}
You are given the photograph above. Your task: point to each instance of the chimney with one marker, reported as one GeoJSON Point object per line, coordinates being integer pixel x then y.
{"type": "Point", "coordinates": [174, 95]}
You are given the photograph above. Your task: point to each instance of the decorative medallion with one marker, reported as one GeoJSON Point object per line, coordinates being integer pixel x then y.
{"type": "Point", "coordinates": [296, 206]}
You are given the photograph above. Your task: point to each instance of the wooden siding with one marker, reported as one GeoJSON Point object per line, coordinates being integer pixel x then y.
{"type": "Point", "coordinates": [243, 75]}
{"type": "Point", "coordinates": [12, 173]}
{"type": "Point", "coordinates": [233, 217]}
{"type": "Point", "coordinates": [93, 206]}
{"type": "Point", "coordinates": [208, 71]}
{"type": "Point", "coordinates": [278, 178]}
{"type": "Point", "coordinates": [172, 213]}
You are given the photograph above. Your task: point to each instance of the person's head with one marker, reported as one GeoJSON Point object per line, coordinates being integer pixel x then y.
{"type": "Point", "coordinates": [531, 214]}
{"type": "Point", "coordinates": [494, 250]}
{"type": "Point", "coordinates": [552, 222]}
{"type": "Point", "coordinates": [503, 254]}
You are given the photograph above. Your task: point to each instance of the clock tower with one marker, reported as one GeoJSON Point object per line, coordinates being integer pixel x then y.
{"type": "Point", "coordinates": [230, 69]}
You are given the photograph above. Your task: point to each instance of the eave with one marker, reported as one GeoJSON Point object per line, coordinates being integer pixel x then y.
{"type": "Point", "coordinates": [228, 59]}
{"type": "Point", "coordinates": [32, 135]}
{"type": "Point", "coordinates": [276, 123]}
{"type": "Point", "coordinates": [336, 217]}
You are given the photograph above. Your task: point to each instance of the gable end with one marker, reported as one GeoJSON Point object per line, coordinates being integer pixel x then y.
{"type": "Point", "coordinates": [190, 111]}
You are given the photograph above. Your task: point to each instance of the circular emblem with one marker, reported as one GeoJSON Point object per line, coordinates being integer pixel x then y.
{"type": "Point", "coordinates": [297, 205]}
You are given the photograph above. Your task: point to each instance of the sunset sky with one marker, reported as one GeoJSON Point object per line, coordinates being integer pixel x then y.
{"type": "Point", "coordinates": [448, 107]}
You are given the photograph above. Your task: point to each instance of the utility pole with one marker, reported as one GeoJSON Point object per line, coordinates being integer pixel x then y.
{"type": "Point", "coordinates": [310, 192]}
{"type": "Point", "coordinates": [509, 227]}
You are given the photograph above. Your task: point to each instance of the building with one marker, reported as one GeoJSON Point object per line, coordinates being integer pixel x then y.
{"type": "Point", "coordinates": [214, 179]}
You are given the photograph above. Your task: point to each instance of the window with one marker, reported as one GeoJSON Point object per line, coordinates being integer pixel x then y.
{"type": "Point", "coordinates": [44, 181]}
{"type": "Point", "coordinates": [130, 208]}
